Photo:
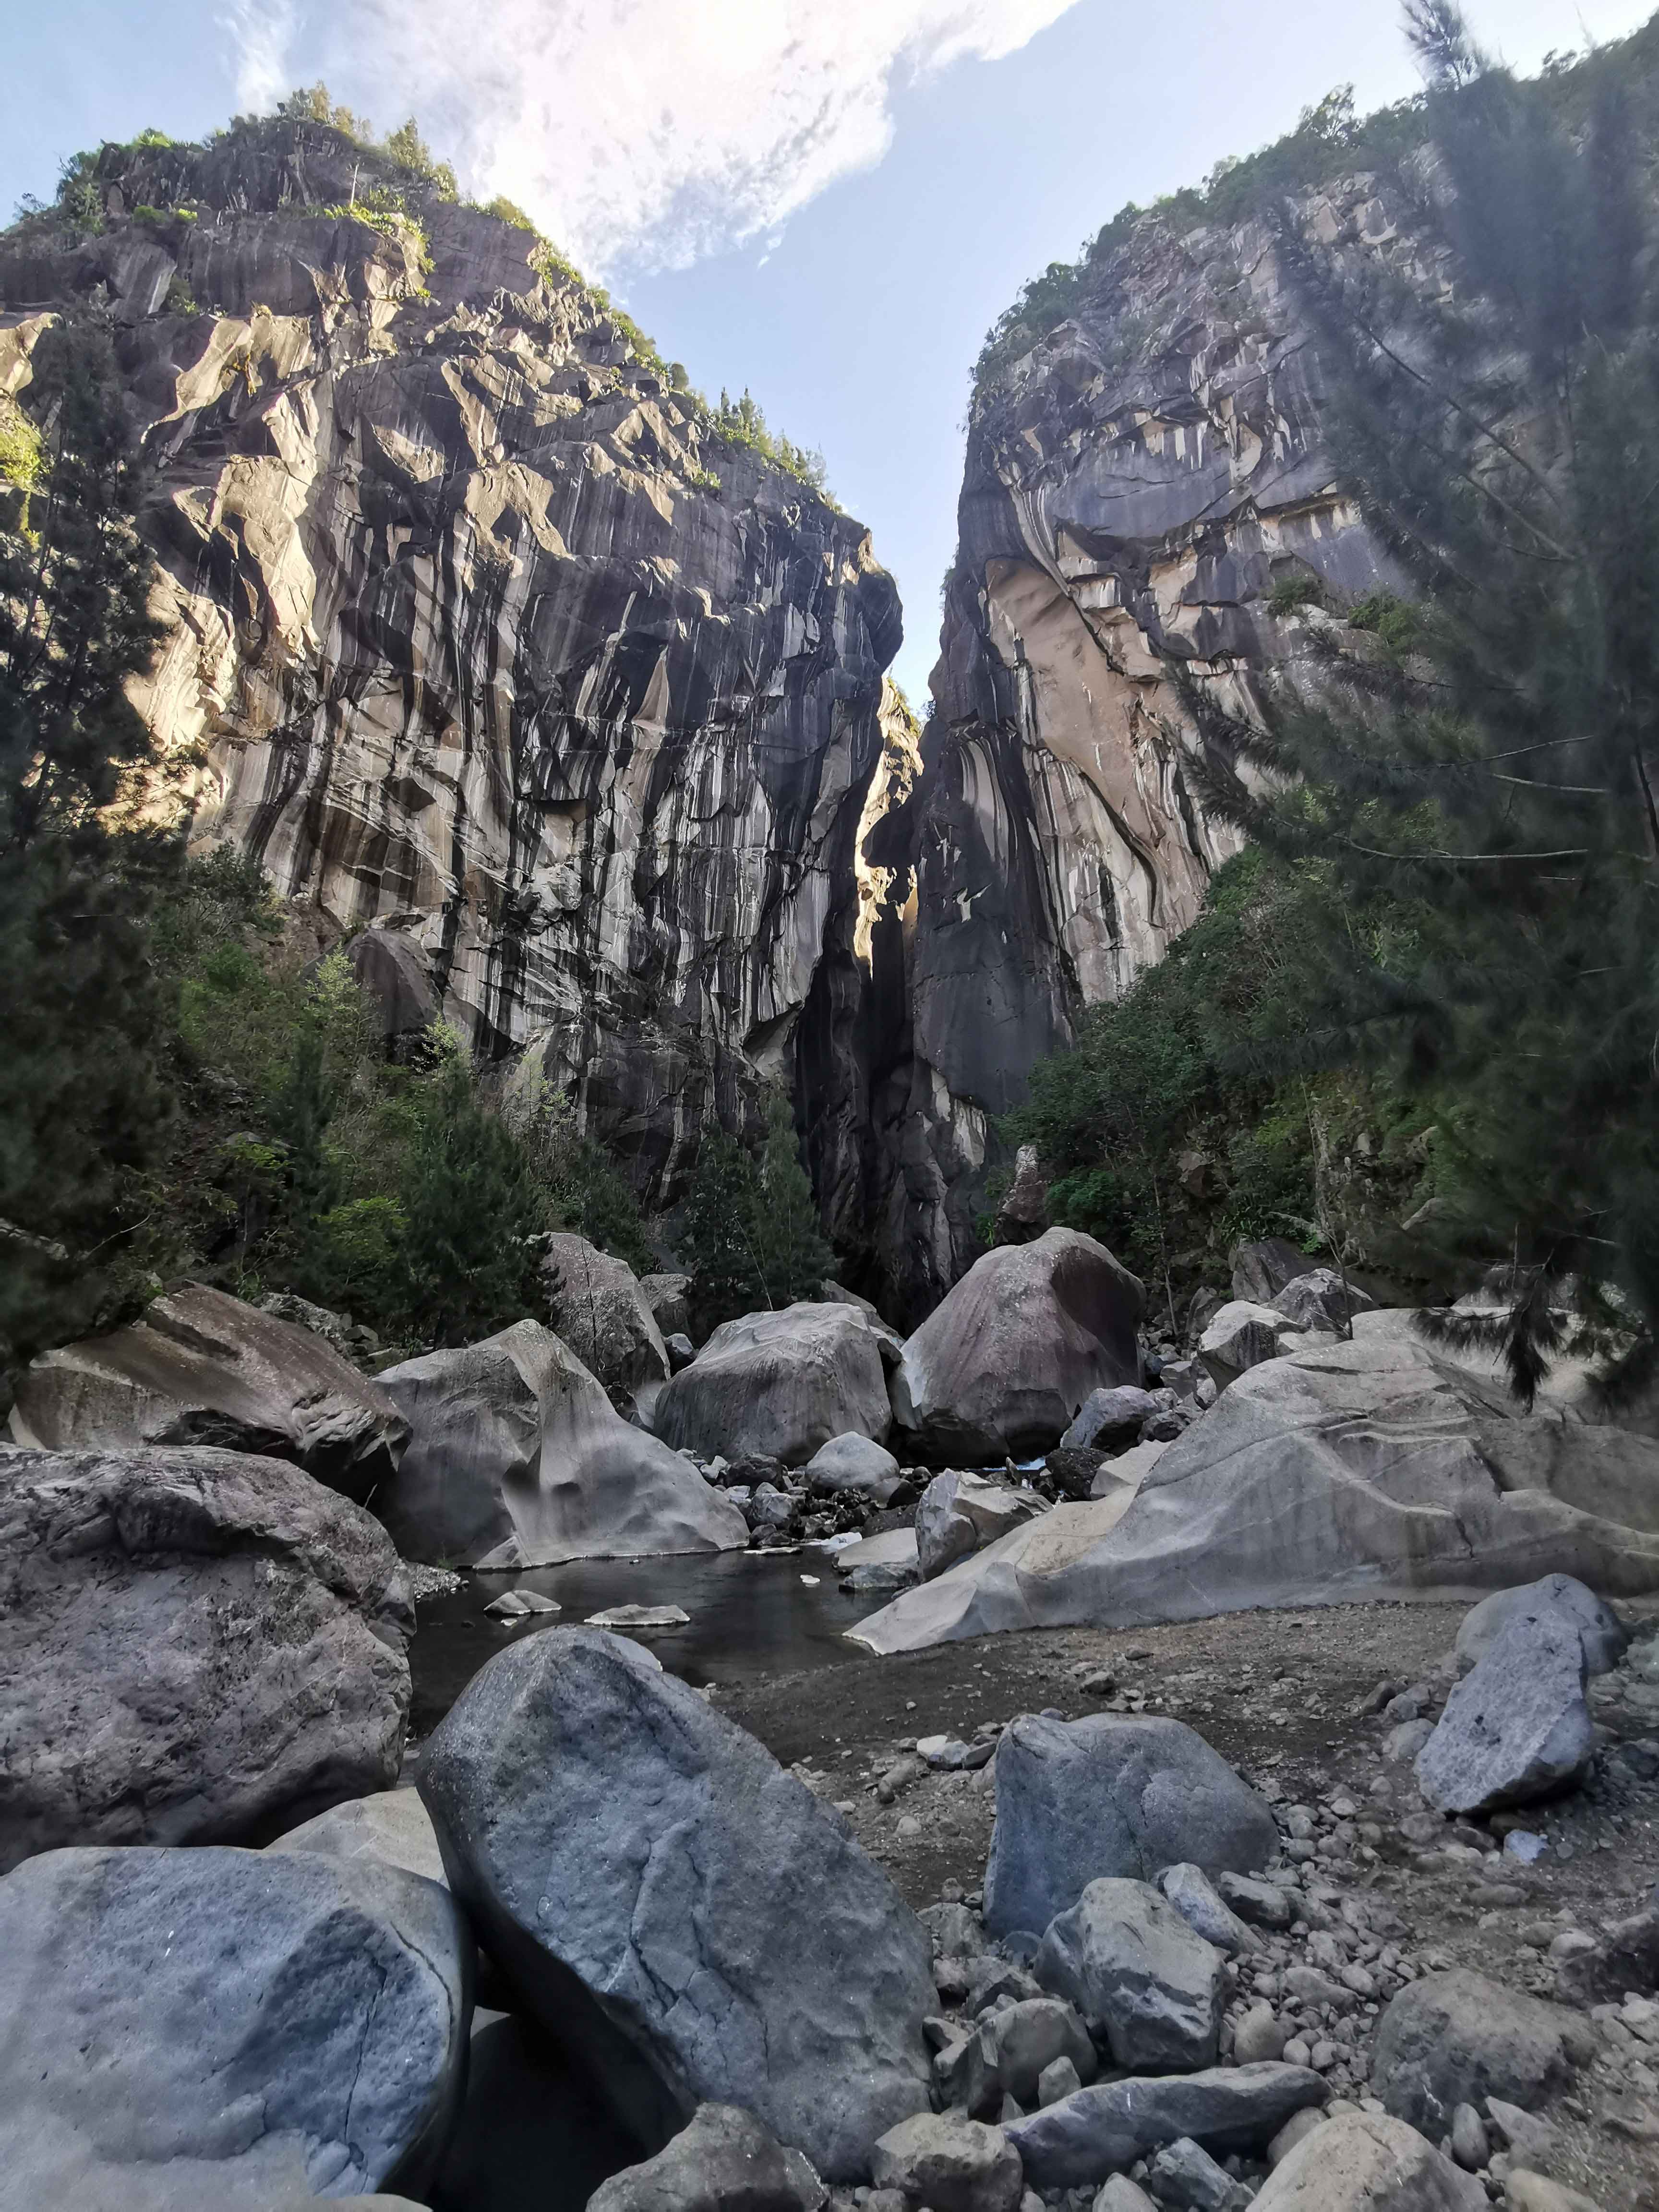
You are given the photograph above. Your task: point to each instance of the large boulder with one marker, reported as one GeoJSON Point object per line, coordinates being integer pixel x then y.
{"type": "Point", "coordinates": [601, 1311]}
{"type": "Point", "coordinates": [1368, 2162]}
{"type": "Point", "coordinates": [392, 1827]}
{"type": "Point", "coordinates": [856, 1463]}
{"type": "Point", "coordinates": [1241, 1335]}
{"type": "Point", "coordinates": [956, 1513]}
{"type": "Point", "coordinates": [186, 2030]}
{"type": "Point", "coordinates": [723, 2161]}
{"type": "Point", "coordinates": [1096, 2131]}
{"type": "Point", "coordinates": [202, 1368]}
{"type": "Point", "coordinates": [1262, 1270]}
{"type": "Point", "coordinates": [1517, 1727]}
{"type": "Point", "coordinates": [1001, 1366]}
{"type": "Point", "coordinates": [952, 2164]}
{"type": "Point", "coordinates": [1144, 1982]}
{"type": "Point", "coordinates": [1601, 1630]}
{"type": "Point", "coordinates": [686, 1918]}
{"type": "Point", "coordinates": [517, 1458]}
{"type": "Point", "coordinates": [783, 1383]}
{"type": "Point", "coordinates": [195, 1646]}
{"type": "Point", "coordinates": [1109, 1420]}
{"type": "Point", "coordinates": [1114, 1794]}
{"type": "Point", "coordinates": [1456, 2039]}
{"type": "Point", "coordinates": [1322, 1300]}
{"type": "Point", "coordinates": [1370, 1469]}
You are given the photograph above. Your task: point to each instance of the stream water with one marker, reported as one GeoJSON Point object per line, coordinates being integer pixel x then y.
{"type": "Point", "coordinates": [752, 1612]}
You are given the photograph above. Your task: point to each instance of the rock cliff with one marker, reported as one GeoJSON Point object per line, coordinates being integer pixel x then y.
{"type": "Point", "coordinates": [566, 708]}
{"type": "Point", "coordinates": [1140, 482]}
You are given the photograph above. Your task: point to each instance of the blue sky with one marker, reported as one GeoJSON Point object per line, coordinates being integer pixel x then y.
{"type": "Point", "coordinates": [827, 204]}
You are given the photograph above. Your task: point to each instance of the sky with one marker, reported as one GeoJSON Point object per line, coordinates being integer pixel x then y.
{"type": "Point", "coordinates": [828, 204]}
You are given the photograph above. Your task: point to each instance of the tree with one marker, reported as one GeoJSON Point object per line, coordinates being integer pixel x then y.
{"type": "Point", "coordinates": [751, 1236]}
{"type": "Point", "coordinates": [84, 1091]}
{"type": "Point", "coordinates": [793, 1255]}
{"type": "Point", "coordinates": [1476, 778]}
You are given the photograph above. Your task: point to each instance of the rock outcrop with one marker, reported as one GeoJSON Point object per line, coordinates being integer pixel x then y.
{"type": "Point", "coordinates": [195, 1647]}
{"type": "Point", "coordinates": [185, 2030]}
{"type": "Point", "coordinates": [784, 1384]}
{"type": "Point", "coordinates": [500, 654]}
{"type": "Point", "coordinates": [200, 1367]}
{"type": "Point", "coordinates": [517, 1458]}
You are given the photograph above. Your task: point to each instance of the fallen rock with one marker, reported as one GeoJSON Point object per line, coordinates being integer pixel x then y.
{"type": "Point", "coordinates": [1599, 1628]}
{"type": "Point", "coordinates": [200, 1367]}
{"type": "Point", "coordinates": [856, 1463]}
{"type": "Point", "coordinates": [1241, 1336]}
{"type": "Point", "coordinates": [1516, 1727]}
{"type": "Point", "coordinates": [1456, 2038]}
{"type": "Point", "coordinates": [681, 1352]}
{"type": "Point", "coordinates": [1204, 1910]}
{"type": "Point", "coordinates": [1111, 1794]}
{"type": "Point", "coordinates": [1021, 2040]}
{"type": "Point", "coordinates": [956, 1513]}
{"type": "Point", "coordinates": [1118, 2194]}
{"type": "Point", "coordinates": [1001, 1366]}
{"type": "Point", "coordinates": [1368, 2162]}
{"type": "Point", "coordinates": [684, 1918]}
{"type": "Point", "coordinates": [1023, 1212]}
{"type": "Point", "coordinates": [722, 2160]}
{"type": "Point", "coordinates": [1368, 1469]}
{"type": "Point", "coordinates": [601, 1311]}
{"type": "Point", "coordinates": [785, 1383]}
{"type": "Point", "coordinates": [1141, 1978]}
{"type": "Point", "coordinates": [669, 1299]}
{"type": "Point", "coordinates": [1109, 1420]}
{"type": "Point", "coordinates": [1625, 1956]}
{"type": "Point", "coordinates": [518, 1459]}
{"type": "Point", "coordinates": [225, 2026]}
{"type": "Point", "coordinates": [1262, 1270]}
{"type": "Point", "coordinates": [1102, 2129]}
{"type": "Point", "coordinates": [1263, 1903]}
{"type": "Point", "coordinates": [391, 1827]}
{"type": "Point", "coordinates": [1185, 2176]}
{"type": "Point", "coordinates": [195, 1646]}
{"type": "Point", "coordinates": [1320, 1299]}
{"type": "Point", "coordinates": [950, 2164]}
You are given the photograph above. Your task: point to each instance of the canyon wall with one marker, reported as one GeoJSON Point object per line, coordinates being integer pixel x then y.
{"type": "Point", "coordinates": [1140, 481]}
{"type": "Point", "coordinates": [561, 709]}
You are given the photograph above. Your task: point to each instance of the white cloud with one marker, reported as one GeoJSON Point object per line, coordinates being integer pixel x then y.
{"type": "Point", "coordinates": [262, 32]}
{"type": "Point", "coordinates": [650, 132]}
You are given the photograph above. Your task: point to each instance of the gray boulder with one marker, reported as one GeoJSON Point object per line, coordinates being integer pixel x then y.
{"type": "Point", "coordinates": [1204, 1910]}
{"type": "Point", "coordinates": [1143, 1980]}
{"type": "Point", "coordinates": [1240, 1336]}
{"type": "Point", "coordinates": [182, 2030]}
{"type": "Point", "coordinates": [1602, 1632]}
{"type": "Point", "coordinates": [1001, 1366]}
{"type": "Point", "coordinates": [392, 1827]}
{"type": "Point", "coordinates": [1516, 1727]}
{"type": "Point", "coordinates": [722, 2160]}
{"type": "Point", "coordinates": [1370, 1469]}
{"type": "Point", "coordinates": [956, 1513]}
{"type": "Point", "coordinates": [1186, 2177]}
{"type": "Point", "coordinates": [1262, 1270]}
{"type": "Point", "coordinates": [1368, 2162]}
{"type": "Point", "coordinates": [1110, 1796]}
{"type": "Point", "coordinates": [1109, 1420]}
{"type": "Point", "coordinates": [783, 1383]}
{"type": "Point", "coordinates": [1023, 1212]}
{"type": "Point", "coordinates": [669, 1299]}
{"type": "Point", "coordinates": [195, 1646]}
{"type": "Point", "coordinates": [1099, 2130]}
{"type": "Point", "coordinates": [1457, 2038]}
{"type": "Point", "coordinates": [1020, 2041]}
{"type": "Point", "coordinates": [683, 1918]}
{"type": "Point", "coordinates": [601, 1311]}
{"type": "Point", "coordinates": [951, 2164]}
{"type": "Point", "coordinates": [517, 1458]}
{"type": "Point", "coordinates": [1322, 1300]}
{"type": "Point", "coordinates": [856, 1463]}
{"type": "Point", "coordinates": [202, 1368]}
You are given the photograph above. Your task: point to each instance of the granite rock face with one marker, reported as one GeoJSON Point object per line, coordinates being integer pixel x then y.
{"type": "Point", "coordinates": [195, 1647]}
{"type": "Point", "coordinates": [784, 1384]}
{"type": "Point", "coordinates": [501, 657]}
{"type": "Point", "coordinates": [182, 2030]}
{"type": "Point", "coordinates": [681, 1914]}
{"type": "Point", "coordinates": [1136, 482]}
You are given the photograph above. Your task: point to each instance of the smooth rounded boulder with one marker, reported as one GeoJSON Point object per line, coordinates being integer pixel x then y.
{"type": "Point", "coordinates": [1114, 1794]}
{"type": "Point", "coordinates": [683, 1916]}
{"type": "Point", "coordinates": [1003, 1363]}
{"type": "Point", "coordinates": [195, 1647]}
{"type": "Point", "coordinates": [781, 1383]}
{"type": "Point", "coordinates": [517, 1458]}
{"type": "Point", "coordinates": [856, 1463]}
{"type": "Point", "coordinates": [199, 1367]}
{"type": "Point", "coordinates": [1458, 2037]}
{"type": "Point", "coordinates": [188, 2031]}
{"type": "Point", "coordinates": [1368, 2162]}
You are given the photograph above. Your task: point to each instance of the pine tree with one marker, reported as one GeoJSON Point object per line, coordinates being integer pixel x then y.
{"type": "Point", "coordinates": [793, 1255]}
{"type": "Point", "coordinates": [751, 1237]}
{"type": "Point", "coordinates": [1472, 772]}
{"type": "Point", "coordinates": [83, 1094]}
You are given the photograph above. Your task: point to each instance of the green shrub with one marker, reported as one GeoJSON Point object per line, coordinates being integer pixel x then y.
{"type": "Point", "coordinates": [1290, 593]}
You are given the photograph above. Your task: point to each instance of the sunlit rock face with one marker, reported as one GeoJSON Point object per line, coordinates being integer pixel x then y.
{"type": "Point", "coordinates": [1136, 485]}
{"type": "Point", "coordinates": [493, 653]}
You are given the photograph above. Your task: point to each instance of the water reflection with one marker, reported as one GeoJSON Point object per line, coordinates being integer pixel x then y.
{"type": "Point", "coordinates": [751, 1614]}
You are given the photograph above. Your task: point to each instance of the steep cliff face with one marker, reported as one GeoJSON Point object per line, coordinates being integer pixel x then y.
{"type": "Point", "coordinates": [492, 650]}
{"type": "Point", "coordinates": [1138, 481]}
